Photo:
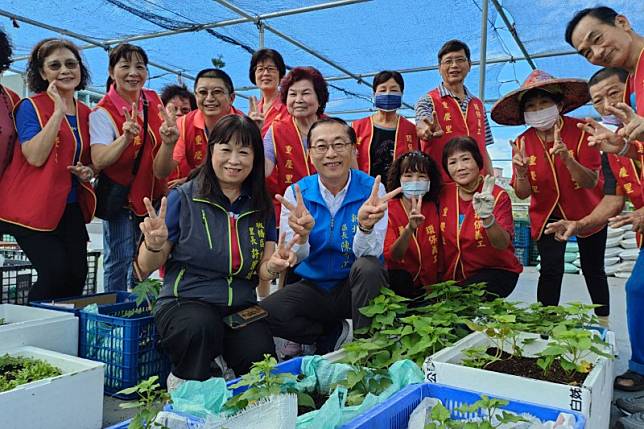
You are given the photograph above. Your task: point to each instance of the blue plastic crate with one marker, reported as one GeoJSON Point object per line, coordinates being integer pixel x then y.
{"type": "Point", "coordinates": [105, 299]}
{"type": "Point", "coordinates": [127, 346]}
{"type": "Point", "coordinates": [394, 413]}
{"type": "Point", "coordinates": [523, 255]}
{"type": "Point", "coordinates": [521, 234]}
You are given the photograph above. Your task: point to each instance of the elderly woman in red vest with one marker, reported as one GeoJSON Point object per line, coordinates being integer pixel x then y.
{"type": "Point", "coordinates": [385, 135]}
{"type": "Point", "coordinates": [476, 222]}
{"type": "Point", "coordinates": [267, 68]}
{"type": "Point", "coordinates": [305, 93]}
{"type": "Point", "coordinates": [45, 197]}
{"type": "Point", "coordinates": [127, 128]}
{"type": "Point", "coordinates": [413, 237]}
{"type": "Point", "coordinates": [555, 167]}
{"type": "Point", "coordinates": [9, 101]}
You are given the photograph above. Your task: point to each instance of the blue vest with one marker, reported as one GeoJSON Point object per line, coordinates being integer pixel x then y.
{"type": "Point", "coordinates": [331, 240]}
{"type": "Point", "coordinates": [200, 265]}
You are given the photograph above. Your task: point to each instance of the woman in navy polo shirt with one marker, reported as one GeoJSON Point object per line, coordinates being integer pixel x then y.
{"type": "Point", "coordinates": [216, 236]}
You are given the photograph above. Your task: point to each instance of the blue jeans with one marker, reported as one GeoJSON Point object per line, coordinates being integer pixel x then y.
{"type": "Point", "coordinates": [120, 237]}
{"type": "Point", "coordinates": [635, 316]}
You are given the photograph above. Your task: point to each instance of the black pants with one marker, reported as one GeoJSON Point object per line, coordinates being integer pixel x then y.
{"type": "Point", "coordinates": [302, 312]}
{"type": "Point", "coordinates": [192, 333]}
{"type": "Point", "coordinates": [499, 283]}
{"type": "Point", "coordinates": [59, 256]}
{"type": "Point", "coordinates": [591, 251]}
{"type": "Point", "coordinates": [401, 282]}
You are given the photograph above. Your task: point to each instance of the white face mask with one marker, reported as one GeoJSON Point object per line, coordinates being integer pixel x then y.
{"type": "Point", "coordinates": [542, 119]}
{"type": "Point", "coordinates": [611, 120]}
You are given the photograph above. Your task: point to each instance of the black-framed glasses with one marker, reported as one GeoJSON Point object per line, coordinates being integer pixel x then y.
{"type": "Point", "coordinates": [262, 69]}
{"type": "Point", "coordinates": [323, 148]}
{"type": "Point", "coordinates": [69, 64]}
{"type": "Point", "coordinates": [457, 61]}
{"type": "Point", "coordinates": [217, 92]}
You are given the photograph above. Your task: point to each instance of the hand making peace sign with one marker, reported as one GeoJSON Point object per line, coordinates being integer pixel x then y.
{"type": "Point", "coordinates": [254, 112]}
{"type": "Point", "coordinates": [283, 257]}
{"type": "Point", "coordinates": [483, 202]}
{"type": "Point", "coordinates": [415, 215]}
{"type": "Point", "coordinates": [168, 129]}
{"type": "Point", "coordinates": [519, 159]}
{"type": "Point", "coordinates": [299, 218]}
{"type": "Point", "coordinates": [559, 147]}
{"type": "Point", "coordinates": [429, 127]}
{"type": "Point", "coordinates": [131, 127]}
{"type": "Point", "coordinates": [633, 123]}
{"type": "Point", "coordinates": [153, 227]}
{"type": "Point", "coordinates": [374, 208]}
{"type": "Point", "coordinates": [601, 137]}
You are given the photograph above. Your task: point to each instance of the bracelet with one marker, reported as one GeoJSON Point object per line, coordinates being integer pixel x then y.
{"type": "Point", "coordinates": [151, 250]}
{"type": "Point", "coordinates": [492, 222]}
{"type": "Point", "coordinates": [271, 273]}
{"type": "Point", "coordinates": [623, 151]}
{"type": "Point", "coordinates": [365, 230]}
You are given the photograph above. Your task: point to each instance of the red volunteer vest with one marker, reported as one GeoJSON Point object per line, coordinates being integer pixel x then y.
{"type": "Point", "coordinates": [14, 98]}
{"type": "Point", "coordinates": [406, 140]}
{"type": "Point", "coordinates": [467, 249]}
{"type": "Point", "coordinates": [635, 84]}
{"type": "Point", "coordinates": [455, 124]}
{"type": "Point", "coordinates": [421, 259]}
{"type": "Point", "coordinates": [291, 159]}
{"type": "Point", "coordinates": [551, 182]}
{"type": "Point", "coordinates": [35, 197]}
{"type": "Point", "coordinates": [276, 112]}
{"type": "Point", "coordinates": [145, 184]}
{"type": "Point", "coordinates": [628, 179]}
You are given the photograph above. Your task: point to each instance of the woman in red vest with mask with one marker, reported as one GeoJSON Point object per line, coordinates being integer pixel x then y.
{"type": "Point", "coordinates": [555, 167]}
{"type": "Point", "coordinates": [476, 222]}
{"type": "Point", "coordinates": [45, 195]}
{"type": "Point", "coordinates": [385, 135]}
{"type": "Point", "coordinates": [412, 241]}
{"type": "Point", "coordinates": [305, 93]}
{"type": "Point", "coordinates": [267, 68]}
{"type": "Point", "coordinates": [124, 149]}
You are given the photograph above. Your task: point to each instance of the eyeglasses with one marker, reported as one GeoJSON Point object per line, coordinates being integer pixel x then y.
{"type": "Point", "coordinates": [454, 61]}
{"type": "Point", "coordinates": [69, 64]}
{"type": "Point", "coordinates": [262, 69]}
{"type": "Point", "coordinates": [203, 93]}
{"type": "Point", "coordinates": [323, 148]}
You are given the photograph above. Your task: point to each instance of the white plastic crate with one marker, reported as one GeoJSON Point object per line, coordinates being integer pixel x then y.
{"type": "Point", "coordinates": [71, 400]}
{"type": "Point", "coordinates": [592, 398]}
{"type": "Point", "coordinates": [30, 326]}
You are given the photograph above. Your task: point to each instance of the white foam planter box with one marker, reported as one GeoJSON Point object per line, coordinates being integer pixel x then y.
{"type": "Point", "coordinates": [31, 326]}
{"type": "Point", "coordinates": [71, 400]}
{"type": "Point", "coordinates": [592, 398]}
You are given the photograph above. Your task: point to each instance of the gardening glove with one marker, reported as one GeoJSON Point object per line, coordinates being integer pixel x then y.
{"type": "Point", "coordinates": [483, 201]}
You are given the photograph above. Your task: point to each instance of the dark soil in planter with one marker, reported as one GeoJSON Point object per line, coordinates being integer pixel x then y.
{"type": "Point", "coordinates": [318, 398]}
{"type": "Point", "coordinates": [527, 367]}
{"type": "Point", "coordinates": [8, 372]}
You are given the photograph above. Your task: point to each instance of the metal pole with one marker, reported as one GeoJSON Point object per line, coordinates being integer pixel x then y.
{"type": "Point", "coordinates": [483, 60]}
{"type": "Point", "coordinates": [514, 33]}
{"type": "Point", "coordinates": [260, 27]}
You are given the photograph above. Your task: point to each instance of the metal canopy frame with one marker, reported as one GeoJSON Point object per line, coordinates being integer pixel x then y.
{"type": "Point", "coordinates": [262, 26]}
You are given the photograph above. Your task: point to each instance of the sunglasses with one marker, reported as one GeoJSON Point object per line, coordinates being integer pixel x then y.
{"type": "Point", "coordinates": [69, 64]}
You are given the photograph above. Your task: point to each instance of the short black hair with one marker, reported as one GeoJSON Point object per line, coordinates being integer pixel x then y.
{"type": "Point", "coordinates": [333, 120]}
{"type": "Point", "coordinates": [607, 72]}
{"type": "Point", "coordinates": [454, 45]}
{"type": "Point", "coordinates": [5, 51]}
{"type": "Point", "coordinates": [602, 13]}
{"type": "Point", "coordinates": [385, 75]}
{"type": "Point", "coordinates": [170, 91]}
{"type": "Point", "coordinates": [42, 50]}
{"type": "Point", "coordinates": [416, 161]}
{"type": "Point", "coordinates": [216, 74]}
{"type": "Point", "coordinates": [462, 144]}
{"type": "Point", "coordinates": [554, 96]}
{"type": "Point", "coordinates": [124, 50]}
{"type": "Point", "coordinates": [266, 54]}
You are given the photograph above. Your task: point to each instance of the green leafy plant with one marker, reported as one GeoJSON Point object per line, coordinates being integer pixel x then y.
{"type": "Point", "coordinates": [262, 383]}
{"type": "Point", "coordinates": [151, 399]}
{"type": "Point", "coordinates": [147, 290]}
{"type": "Point", "coordinates": [486, 407]}
{"type": "Point", "coordinates": [18, 370]}
{"type": "Point", "coordinates": [2, 322]}
{"type": "Point", "coordinates": [362, 381]}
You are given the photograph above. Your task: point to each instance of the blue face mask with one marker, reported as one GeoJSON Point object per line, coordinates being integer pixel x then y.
{"type": "Point", "coordinates": [611, 120]}
{"type": "Point", "coordinates": [388, 102]}
{"type": "Point", "coordinates": [415, 188]}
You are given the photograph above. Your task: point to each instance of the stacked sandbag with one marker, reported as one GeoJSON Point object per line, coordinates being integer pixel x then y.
{"type": "Point", "coordinates": [571, 257]}
{"type": "Point", "coordinates": [621, 252]}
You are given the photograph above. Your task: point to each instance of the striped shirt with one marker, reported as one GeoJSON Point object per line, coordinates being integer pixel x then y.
{"type": "Point", "coordinates": [425, 108]}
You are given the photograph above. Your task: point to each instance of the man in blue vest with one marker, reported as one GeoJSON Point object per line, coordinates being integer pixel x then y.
{"type": "Point", "coordinates": [340, 216]}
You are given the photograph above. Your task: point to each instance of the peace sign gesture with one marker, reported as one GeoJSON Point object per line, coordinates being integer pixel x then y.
{"type": "Point", "coordinates": [601, 137]}
{"type": "Point", "coordinates": [254, 112]}
{"type": "Point", "coordinates": [415, 215]}
{"type": "Point", "coordinates": [283, 257]}
{"type": "Point", "coordinates": [483, 202]}
{"type": "Point", "coordinates": [519, 159]}
{"type": "Point", "coordinates": [299, 218]}
{"type": "Point", "coordinates": [168, 129]}
{"type": "Point", "coordinates": [559, 148]}
{"type": "Point", "coordinates": [429, 127]}
{"type": "Point", "coordinates": [633, 123]}
{"type": "Point", "coordinates": [131, 127]}
{"type": "Point", "coordinates": [374, 208]}
{"type": "Point", "coordinates": [153, 227]}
